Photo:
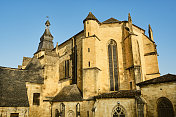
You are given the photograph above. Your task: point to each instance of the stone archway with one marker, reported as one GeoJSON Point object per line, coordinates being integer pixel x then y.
{"type": "Point", "coordinates": [164, 107]}
{"type": "Point", "coordinates": [119, 111]}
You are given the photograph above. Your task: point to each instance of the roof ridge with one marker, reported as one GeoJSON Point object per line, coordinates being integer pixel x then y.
{"type": "Point", "coordinates": [160, 79]}
{"type": "Point", "coordinates": [110, 20]}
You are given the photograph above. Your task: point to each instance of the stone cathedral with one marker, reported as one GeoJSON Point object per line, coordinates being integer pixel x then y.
{"type": "Point", "coordinates": [109, 69]}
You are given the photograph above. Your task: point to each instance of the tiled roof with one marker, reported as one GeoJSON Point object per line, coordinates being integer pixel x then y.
{"type": "Point", "coordinates": [46, 42]}
{"type": "Point", "coordinates": [68, 94]}
{"type": "Point", "coordinates": [13, 92]}
{"type": "Point", "coordinates": [47, 33]}
{"type": "Point", "coordinates": [90, 17]}
{"type": "Point", "coordinates": [120, 94]}
{"type": "Point", "coordinates": [161, 79]}
{"type": "Point", "coordinates": [110, 20]}
{"type": "Point", "coordinates": [34, 64]}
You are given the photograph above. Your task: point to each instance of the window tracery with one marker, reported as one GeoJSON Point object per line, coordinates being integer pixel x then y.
{"type": "Point", "coordinates": [118, 111]}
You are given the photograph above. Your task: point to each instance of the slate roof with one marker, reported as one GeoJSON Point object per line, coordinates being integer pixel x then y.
{"type": "Point", "coordinates": [47, 33]}
{"type": "Point", "coordinates": [68, 94]}
{"type": "Point", "coordinates": [91, 17]}
{"type": "Point", "coordinates": [120, 94]}
{"type": "Point", "coordinates": [110, 20]}
{"type": "Point", "coordinates": [161, 79]}
{"type": "Point", "coordinates": [13, 92]}
{"type": "Point", "coordinates": [46, 42]}
{"type": "Point", "coordinates": [34, 64]}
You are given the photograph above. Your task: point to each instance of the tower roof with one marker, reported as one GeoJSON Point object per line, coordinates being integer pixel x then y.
{"type": "Point", "coordinates": [47, 31]}
{"type": "Point", "coordinates": [46, 42]}
{"type": "Point", "coordinates": [91, 17]}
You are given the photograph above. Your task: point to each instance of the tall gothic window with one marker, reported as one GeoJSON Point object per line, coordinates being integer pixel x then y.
{"type": "Point", "coordinates": [165, 108]}
{"type": "Point", "coordinates": [113, 71]}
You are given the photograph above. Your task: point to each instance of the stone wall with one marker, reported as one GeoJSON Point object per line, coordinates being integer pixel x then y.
{"type": "Point", "coordinates": [6, 111]}
{"type": "Point", "coordinates": [104, 107]}
{"type": "Point", "coordinates": [70, 107]}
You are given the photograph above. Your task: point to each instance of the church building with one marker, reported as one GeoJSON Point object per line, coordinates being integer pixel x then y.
{"type": "Point", "coordinates": [109, 69]}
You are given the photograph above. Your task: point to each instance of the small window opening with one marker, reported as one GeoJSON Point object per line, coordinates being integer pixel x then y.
{"type": "Point", "coordinates": [88, 49]}
{"type": "Point", "coordinates": [89, 63]}
{"type": "Point", "coordinates": [87, 22]}
{"type": "Point", "coordinates": [36, 99]}
{"type": "Point", "coordinates": [14, 114]}
{"type": "Point", "coordinates": [88, 34]}
{"type": "Point", "coordinates": [131, 86]}
{"type": "Point", "coordinates": [66, 68]}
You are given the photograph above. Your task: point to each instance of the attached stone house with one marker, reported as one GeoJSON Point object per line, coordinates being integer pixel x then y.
{"type": "Point", "coordinates": [160, 95]}
{"type": "Point", "coordinates": [109, 69]}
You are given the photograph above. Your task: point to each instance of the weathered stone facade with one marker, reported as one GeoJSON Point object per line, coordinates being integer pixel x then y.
{"type": "Point", "coordinates": [92, 74]}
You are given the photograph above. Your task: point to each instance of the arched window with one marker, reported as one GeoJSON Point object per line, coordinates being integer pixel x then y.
{"type": "Point", "coordinates": [113, 71]}
{"type": "Point", "coordinates": [62, 110]}
{"type": "Point", "coordinates": [56, 113]}
{"type": "Point", "coordinates": [118, 111]}
{"type": "Point", "coordinates": [165, 108]}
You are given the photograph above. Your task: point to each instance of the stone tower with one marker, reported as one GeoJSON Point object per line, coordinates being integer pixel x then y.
{"type": "Point", "coordinates": [90, 69]}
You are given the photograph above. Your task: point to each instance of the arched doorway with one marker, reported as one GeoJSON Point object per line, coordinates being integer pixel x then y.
{"type": "Point", "coordinates": [119, 111]}
{"type": "Point", "coordinates": [164, 107]}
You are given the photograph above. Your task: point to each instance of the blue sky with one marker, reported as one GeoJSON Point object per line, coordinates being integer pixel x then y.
{"type": "Point", "coordinates": [22, 24]}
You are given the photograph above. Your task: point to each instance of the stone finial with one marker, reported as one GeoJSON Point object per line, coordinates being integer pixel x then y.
{"type": "Point", "coordinates": [150, 32]}
{"type": "Point", "coordinates": [150, 27]}
{"type": "Point", "coordinates": [47, 23]}
{"type": "Point", "coordinates": [130, 22]}
{"type": "Point", "coordinates": [57, 49]}
{"type": "Point", "coordinates": [129, 18]}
